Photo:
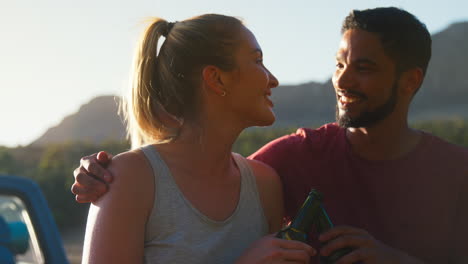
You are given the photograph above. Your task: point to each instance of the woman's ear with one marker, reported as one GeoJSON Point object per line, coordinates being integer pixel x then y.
{"type": "Point", "coordinates": [213, 81]}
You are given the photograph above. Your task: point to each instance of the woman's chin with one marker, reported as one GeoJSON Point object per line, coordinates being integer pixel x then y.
{"type": "Point", "coordinates": [268, 121]}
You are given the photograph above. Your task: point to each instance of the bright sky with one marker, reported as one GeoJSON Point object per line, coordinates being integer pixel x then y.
{"type": "Point", "coordinates": [56, 55]}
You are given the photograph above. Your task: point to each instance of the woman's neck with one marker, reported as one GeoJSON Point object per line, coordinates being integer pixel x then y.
{"type": "Point", "coordinates": [201, 148]}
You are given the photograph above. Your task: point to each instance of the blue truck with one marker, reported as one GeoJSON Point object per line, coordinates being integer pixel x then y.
{"type": "Point", "coordinates": [28, 233]}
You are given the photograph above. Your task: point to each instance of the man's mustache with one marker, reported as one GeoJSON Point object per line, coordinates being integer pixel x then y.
{"type": "Point", "coordinates": [351, 93]}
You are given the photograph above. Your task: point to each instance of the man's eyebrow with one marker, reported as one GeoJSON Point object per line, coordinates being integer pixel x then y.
{"type": "Point", "coordinates": [339, 57]}
{"type": "Point", "coordinates": [362, 60]}
{"type": "Point", "coordinates": [258, 50]}
{"type": "Point", "coordinates": [365, 61]}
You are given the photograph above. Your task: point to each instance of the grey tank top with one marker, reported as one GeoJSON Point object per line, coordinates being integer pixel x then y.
{"type": "Point", "coordinates": [176, 232]}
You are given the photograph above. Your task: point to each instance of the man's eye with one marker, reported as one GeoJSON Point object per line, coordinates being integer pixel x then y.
{"type": "Point", "coordinates": [260, 61]}
{"type": "Point", "coordinates": [339, 66]}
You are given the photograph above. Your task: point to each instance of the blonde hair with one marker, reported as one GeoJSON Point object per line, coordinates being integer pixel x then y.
{"type": "Point", "coordinates": [165, 85]}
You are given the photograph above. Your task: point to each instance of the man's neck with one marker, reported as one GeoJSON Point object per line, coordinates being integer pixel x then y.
{"type": "Point", "coordinates": [384, 141]}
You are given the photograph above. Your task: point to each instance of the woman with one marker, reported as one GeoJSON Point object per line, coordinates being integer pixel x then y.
{"type": "Point", "coordinates": [181, 196]}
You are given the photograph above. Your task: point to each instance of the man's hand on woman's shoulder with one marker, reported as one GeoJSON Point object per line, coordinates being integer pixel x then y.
{"type": "Point", "coordinates": [92, 177]}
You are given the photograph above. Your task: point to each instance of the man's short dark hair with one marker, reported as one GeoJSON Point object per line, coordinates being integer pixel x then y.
{"type": "Point", "coordinates": [405, 39]}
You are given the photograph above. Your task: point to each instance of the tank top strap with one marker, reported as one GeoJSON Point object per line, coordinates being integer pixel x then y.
{"type": "Point", "coordinates": [249, 190]}
{"type": "Point", "coordinates": [156, 161]}
{"type": "Point", "coordinates": [245, 170]}
{"type": "Point", "coordinates": [165, 185]}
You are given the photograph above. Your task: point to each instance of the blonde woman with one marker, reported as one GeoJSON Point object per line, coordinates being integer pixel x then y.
{"type": "Point", "coordinates": [180, 195]}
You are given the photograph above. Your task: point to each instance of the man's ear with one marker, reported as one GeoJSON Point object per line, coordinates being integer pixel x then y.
{"type": "Point", "coordinates": [412, 80]}
{"type": "Point", "coordinates": [212, 80]}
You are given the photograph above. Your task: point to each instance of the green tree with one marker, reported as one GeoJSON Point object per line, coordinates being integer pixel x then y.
{"type": "Point", "coordinates": [7, 162]}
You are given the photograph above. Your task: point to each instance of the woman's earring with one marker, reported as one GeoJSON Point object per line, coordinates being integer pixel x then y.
{"type": "Point", "coordinates": [223, 93]}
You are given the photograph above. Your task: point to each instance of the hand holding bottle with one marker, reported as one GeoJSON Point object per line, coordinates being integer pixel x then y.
{"type": "Point", "coordinates": [366, 249]}
{"type": "Point", "coordinates": [270, 249]}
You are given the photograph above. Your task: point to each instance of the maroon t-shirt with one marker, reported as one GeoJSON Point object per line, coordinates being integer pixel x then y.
{"type": "Point", "coordinates": [417, 203]}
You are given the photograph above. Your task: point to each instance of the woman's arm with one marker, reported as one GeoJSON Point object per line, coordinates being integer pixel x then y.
{"type": "Point", "coordinates": [116, 223]}
{"type": "Point", "coordinates": [270, 249]}
{"type": "Point", "coordinates": [271, 194]}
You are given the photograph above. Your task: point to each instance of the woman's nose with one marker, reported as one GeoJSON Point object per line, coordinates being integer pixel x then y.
{"type": "Point", "coordinates": [273, 81]}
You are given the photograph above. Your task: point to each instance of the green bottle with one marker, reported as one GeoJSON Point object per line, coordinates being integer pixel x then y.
{"type": "Point", "coordinates": [301, 225]}
{"type": "Point", "coordinates": [322, 224]}
{"type": "Point", "coordinates": [311, 214]}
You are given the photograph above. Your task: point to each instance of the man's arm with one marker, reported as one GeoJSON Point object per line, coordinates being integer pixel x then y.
{"type": "Point", "coordinates": [92, 177]}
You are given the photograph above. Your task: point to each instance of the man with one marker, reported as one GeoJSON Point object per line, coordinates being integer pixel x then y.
{"type": "Point", "coordinates": [397, 195]}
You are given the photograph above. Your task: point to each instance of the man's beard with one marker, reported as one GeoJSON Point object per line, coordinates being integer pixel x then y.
{"type": "Point", "coordinates": [369, 119]}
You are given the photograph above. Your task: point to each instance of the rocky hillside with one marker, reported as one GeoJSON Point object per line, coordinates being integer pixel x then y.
{"type": "Point", "coordinates": [96, 121]}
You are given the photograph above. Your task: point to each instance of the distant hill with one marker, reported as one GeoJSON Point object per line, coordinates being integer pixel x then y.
{"type": "Point", "coordinates": [445, 89]}
{"type": "Point", "coordinates": [95, 122]}
{"type": "Point", "coordinates": [304, 105]}
{"type": "Point", "coordinates": [444, 95]}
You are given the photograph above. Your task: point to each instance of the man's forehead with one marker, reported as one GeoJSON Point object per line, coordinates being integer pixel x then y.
{"type": "Point", "coordinates": [360, 45]}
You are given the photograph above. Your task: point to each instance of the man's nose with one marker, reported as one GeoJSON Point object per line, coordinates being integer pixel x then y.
{"type": "Point", "coordinates": [343, 79]}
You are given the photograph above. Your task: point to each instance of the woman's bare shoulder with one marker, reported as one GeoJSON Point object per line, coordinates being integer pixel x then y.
{"type": "Point", "coordinates": [133, 176]}
{"type": "Point", "coordinates": [128, 161]}
{"type": "Point", "coordinates": [264, 173]}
